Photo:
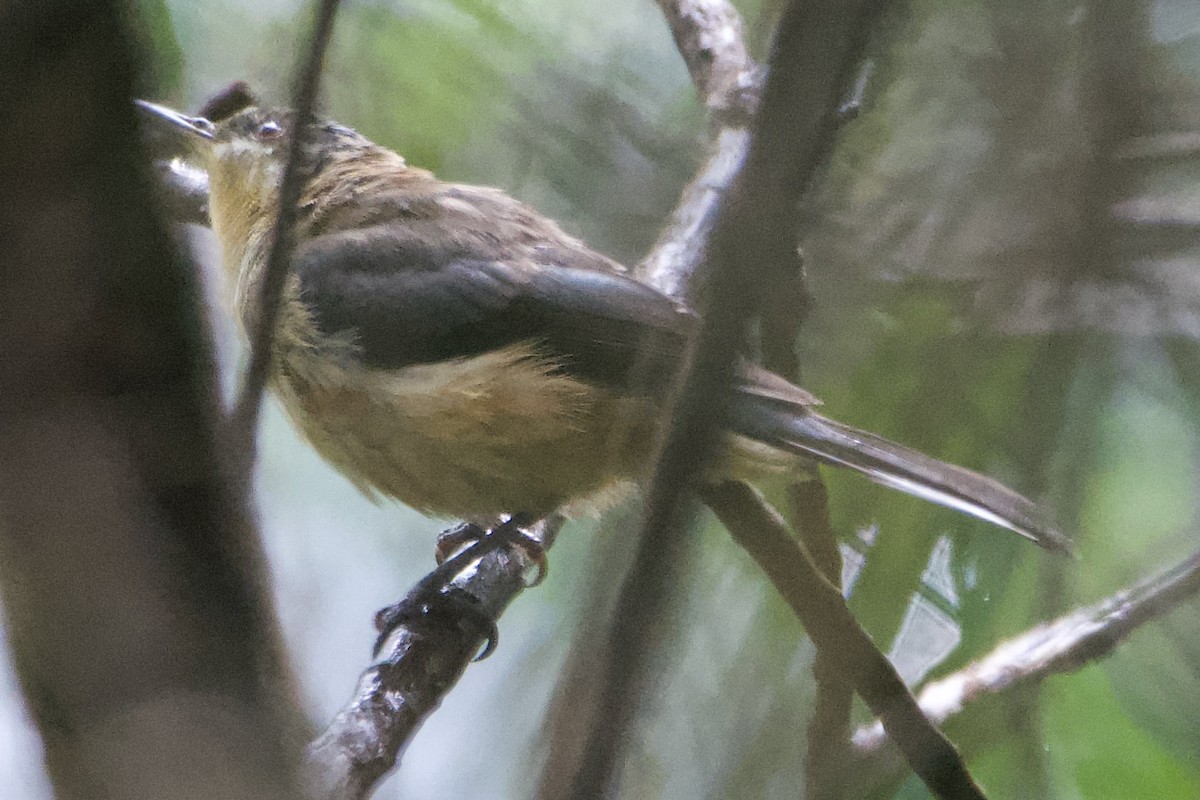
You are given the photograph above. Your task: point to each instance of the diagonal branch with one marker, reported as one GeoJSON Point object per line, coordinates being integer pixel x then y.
{"type": "Point", "coordinates": [709, 35]}
{"type": "Point", "coordinates": [836, 633]}
{"type": "Point", "coordinates": [673, 261]}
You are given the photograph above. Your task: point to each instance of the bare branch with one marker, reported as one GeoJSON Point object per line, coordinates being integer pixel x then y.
{"type": "Point", "coordinates": [681, 247]}
{"type": "Point", "coordinates": [1066, 644]}
{"type": "Point", "coordinates": [709, 35]}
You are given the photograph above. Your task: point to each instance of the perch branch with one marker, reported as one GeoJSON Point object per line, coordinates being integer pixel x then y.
{"type": "Point", "coordinates": [420, 663]}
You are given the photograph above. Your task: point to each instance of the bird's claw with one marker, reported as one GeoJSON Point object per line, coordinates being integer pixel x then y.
{"type": "Point", "coordinates": [436, 599]}
{"type": "Point", "coordinates": [455, 540]}
{"type": "Point", "coordinates": [447, 606]}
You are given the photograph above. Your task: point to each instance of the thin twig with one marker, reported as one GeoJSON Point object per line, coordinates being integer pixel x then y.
{"type": "Point", "coordinates": [834, 630]}
{"type": "Point", "coordinates": [245, 413]}
{"type": "Point", "coordinates": [1066, 644]}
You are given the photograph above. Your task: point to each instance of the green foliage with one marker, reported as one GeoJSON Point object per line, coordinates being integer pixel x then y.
{"type": "Point", "coordinates": [1096, 752]}
{"type": "Point", "coordinates": [152, 22]}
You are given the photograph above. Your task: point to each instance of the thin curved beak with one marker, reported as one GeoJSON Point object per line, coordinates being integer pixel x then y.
{"type": "Point", "coordinates": [197, 126]}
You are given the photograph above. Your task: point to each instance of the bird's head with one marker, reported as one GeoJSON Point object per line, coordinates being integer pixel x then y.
{"type": "Point", "coordinates": [245, 152]}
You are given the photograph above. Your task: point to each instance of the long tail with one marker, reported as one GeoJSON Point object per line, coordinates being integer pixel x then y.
{"type": "Point", "coordinates": [795, 427]}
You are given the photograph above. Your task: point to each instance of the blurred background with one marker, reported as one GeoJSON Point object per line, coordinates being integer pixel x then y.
{"type": "Point", "coordinates": [1005, 263]}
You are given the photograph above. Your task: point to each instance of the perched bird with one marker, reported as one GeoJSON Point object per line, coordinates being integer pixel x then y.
{"type": "Point", "coordinates": [448, 346]}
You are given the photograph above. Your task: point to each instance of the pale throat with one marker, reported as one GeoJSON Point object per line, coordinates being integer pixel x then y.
{"type": "Point", "coordinates": [242, 212]}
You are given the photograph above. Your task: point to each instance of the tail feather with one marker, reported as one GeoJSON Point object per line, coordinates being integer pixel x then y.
{"type": "Point", "coordinates": [800, 430]}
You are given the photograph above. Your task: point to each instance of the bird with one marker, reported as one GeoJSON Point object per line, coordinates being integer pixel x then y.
{"type": "Point", "coordinates": [448, 346]}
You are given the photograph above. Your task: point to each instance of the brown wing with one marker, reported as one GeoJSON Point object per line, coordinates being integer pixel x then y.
{"type": "Point", "coordinates": [412, 298]}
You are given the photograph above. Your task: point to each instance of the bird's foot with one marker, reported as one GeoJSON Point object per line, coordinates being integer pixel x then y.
{"type": "Point", "coordinates": [443, 608]}
{"type": "Point", "coordinates": [436, 601]}
{"type": "Point", "coordinates": [453, 541]}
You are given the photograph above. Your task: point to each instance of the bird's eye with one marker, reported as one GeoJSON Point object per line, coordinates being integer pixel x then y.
{"type": "Point", "coordinates": [268, 130]}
